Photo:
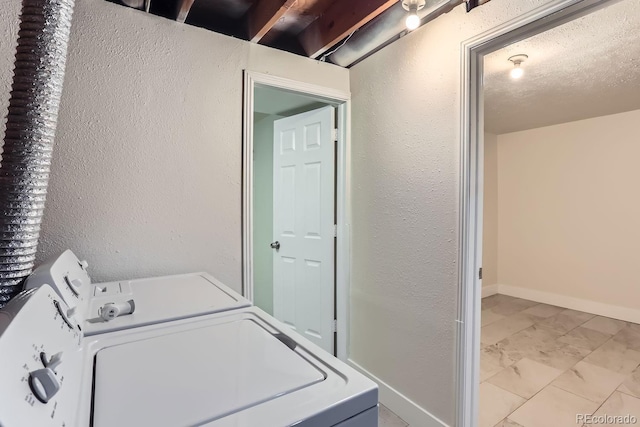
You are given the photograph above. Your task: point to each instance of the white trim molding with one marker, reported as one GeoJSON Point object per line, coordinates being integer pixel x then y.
{"type": "Point", "coordinates": [342, 100]}
{"type": "Point", "coordinates": [594, 307]}
{"type": "Point", "coordinates": [550, 15]}
{"type": "Point", "coordinates": [489, 290]}
{"type": "Point", "coordinates": [399, 404]}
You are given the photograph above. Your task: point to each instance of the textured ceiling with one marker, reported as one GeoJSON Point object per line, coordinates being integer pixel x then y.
{"type": "Point", "coordinates": [586, 68]}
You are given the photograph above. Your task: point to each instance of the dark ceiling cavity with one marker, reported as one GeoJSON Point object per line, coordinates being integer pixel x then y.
{"type": "Point", "coordinates": [340, 31]}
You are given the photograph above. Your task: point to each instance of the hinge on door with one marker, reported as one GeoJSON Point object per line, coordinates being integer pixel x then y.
{"type": "Point", "coordinates": [335, 325]}
{"type": "Point", "coordinates": [480, 273]}
{"type": "Point", "coordinates": [335, 230]}
{"type": "Point", "coordinates": [335, 135]}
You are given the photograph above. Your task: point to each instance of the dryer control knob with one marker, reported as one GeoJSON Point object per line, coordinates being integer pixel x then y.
{"type": "Point", "coordinates": [83, 264]}
{"type": "Point", "coordinates": [44, 384]}
{"type": "Point", "coordinates": [112, 310]}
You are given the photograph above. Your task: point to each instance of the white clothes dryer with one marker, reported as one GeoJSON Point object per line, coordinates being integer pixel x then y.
{"type": "Point", "coordinates": [237, 368]}
{"type": "Point", "coordinates": [127, 304]}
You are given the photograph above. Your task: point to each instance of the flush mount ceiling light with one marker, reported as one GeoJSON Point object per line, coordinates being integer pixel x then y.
{"type": "Point", "coordinates": [413, 6]}
{"type": "Point", "coordinates": [517, 60]}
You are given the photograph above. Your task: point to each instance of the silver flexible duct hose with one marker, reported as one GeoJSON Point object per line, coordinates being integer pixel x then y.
{"type": "Point", "coordinates": [31, 124]}
{"type": "Point", "coordinates": [385, 29]}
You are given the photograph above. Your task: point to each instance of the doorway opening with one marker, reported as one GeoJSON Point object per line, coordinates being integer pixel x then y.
{"type": "Point", "coordinates": [548, 326]}
{"type": "Point", "coordinates": [295, 224]}
{"type": "Point", "coordinates": [559, 322]}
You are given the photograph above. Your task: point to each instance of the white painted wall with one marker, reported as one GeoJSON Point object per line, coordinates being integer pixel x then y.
{"type": "Point", "coordinates": [490, 215]}
{"type": "Point", "coordinates": [405, 159]}
{"type": "Point", "coordinates": [146, 177]}
{"type": "Point", "coordinates": [8, 42]}
{"type": "Point", "coordinates": [263, 212]}
{"type": "Point", "coordinates": [569, 210]}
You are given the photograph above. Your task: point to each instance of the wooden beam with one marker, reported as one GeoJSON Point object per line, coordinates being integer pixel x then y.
{"type": "Point", "coordinates": [264, 14]}
{"type": "Point", "coordinates": [338, 21]}
{"type": "Point", "coordinates": [183, 10]}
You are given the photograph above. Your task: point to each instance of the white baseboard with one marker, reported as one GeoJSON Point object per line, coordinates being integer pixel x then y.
{"type": "Point", "coordinates": [399, 404]}
{"type": "Point", "coordinates": [489, 290]}
{"type": "Point", "coordinates": [593, 307]}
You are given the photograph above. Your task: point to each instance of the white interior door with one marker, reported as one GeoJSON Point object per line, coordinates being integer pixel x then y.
{"type": "Point", "coordinates": [303, 224]}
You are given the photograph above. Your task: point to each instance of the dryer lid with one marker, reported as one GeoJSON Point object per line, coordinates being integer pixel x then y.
{"type": "Point", "coordinates": [161, 299]}
{"type": "Point", "coordinates": [196, 376]}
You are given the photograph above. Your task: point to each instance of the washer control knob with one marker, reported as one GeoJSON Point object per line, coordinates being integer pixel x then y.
{"type": "Point", "coordinates": [83, 264]}
{"type": "Point", "coordinates": [44, 384]}
{"type": "Point", "coordinates": [55, 360]}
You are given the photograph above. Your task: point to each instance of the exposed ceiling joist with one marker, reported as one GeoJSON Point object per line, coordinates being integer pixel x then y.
{"type": "Point", "coordinates": [263, 16]}
{"type": "Point", "coordinates": [183, 8]}
{"type": "Point", "coordinates": [338, 21]}
{"type": "Point", "coordinates": [304, 27]}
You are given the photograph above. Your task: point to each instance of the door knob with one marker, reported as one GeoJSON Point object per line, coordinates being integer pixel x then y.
{"type": "Point", "coordinates": [275, 245]}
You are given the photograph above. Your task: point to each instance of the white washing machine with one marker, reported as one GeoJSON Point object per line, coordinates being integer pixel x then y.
{"type": "Point", "coordinates": [230, 369]}
{"type": "Point", "coordinates": [132, 303]}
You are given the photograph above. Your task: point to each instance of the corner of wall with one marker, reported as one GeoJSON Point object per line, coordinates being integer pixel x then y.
{"type": "Point", "coordinates": [399, 404]}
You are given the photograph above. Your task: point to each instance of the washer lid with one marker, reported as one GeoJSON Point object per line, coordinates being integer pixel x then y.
{"type": "Point", "coordinates": [195, 376]}
{"type": "Point", "coordinates": [160, 299]}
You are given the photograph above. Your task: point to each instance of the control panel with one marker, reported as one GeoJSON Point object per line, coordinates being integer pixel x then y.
{"type": "Point", "coordinates": [68, 276]}
{"type": "Point", "coordinates": [88, 304]}
{"type": "Point", "coordinates": [41, 361]}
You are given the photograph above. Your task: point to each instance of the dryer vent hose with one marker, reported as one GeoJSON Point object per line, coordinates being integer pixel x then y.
{"type": "Point", "coordinates": [31, 124]}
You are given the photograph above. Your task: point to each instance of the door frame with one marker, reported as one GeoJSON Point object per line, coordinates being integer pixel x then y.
{"type": "Point", "coordinates": [548, 16]}
{"type": "Point", "coordinates": [342, 101]}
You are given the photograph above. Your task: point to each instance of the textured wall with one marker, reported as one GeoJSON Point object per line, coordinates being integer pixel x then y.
{"type": "Point", "coordinates": [568, 209]}
{"type": "Point", "coordinates": [406, 144]}
{"type": "Point", "coordinates": [490, 214]}
{"type": "Point", "coordinates": [9, 13]}
{"type": "Point", "coordinates": [263, 213]}
{"type": "Point", "coordinates": [146, 176]}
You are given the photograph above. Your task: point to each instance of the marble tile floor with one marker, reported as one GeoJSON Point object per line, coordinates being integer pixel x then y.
{"type": "Point", "coordinates": [386, 418]}
{"type": "Point", "coordinates": [541, 365]}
